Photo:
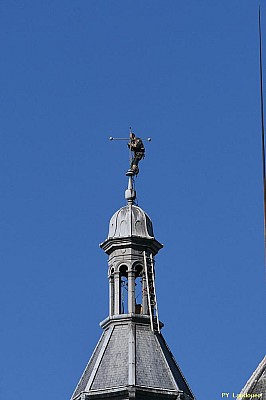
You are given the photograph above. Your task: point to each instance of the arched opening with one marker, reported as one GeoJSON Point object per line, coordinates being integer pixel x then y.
{"type": "Point", "coordinates": [123, 275]}
{"type": "Point", "coordinates": [111, 292]}
{"type": "Point", "coordinates": [138, 289]}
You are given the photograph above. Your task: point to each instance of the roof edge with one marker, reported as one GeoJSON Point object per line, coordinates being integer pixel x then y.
{"type": "Point", "coordinates": [254, 377]}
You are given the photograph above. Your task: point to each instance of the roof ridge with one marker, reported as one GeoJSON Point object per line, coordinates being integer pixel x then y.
{"type": "Point", "coordinates": [254, 377]}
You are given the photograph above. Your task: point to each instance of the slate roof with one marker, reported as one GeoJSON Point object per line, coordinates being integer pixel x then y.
{"type": "Point", "coordinates": [129, 354]}
{"type": "Point", "coordinates": [257, 382]}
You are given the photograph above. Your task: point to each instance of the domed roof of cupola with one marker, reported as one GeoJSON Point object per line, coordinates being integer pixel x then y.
{"type": "Point", "coordinates": [130, 225]}
{"type": "Point", "coordinates": [129, 221]}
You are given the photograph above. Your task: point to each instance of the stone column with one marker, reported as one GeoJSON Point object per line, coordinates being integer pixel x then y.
{"type": "Point", "coordinates": [117, 294]}
{"type": "Point", "coordinates": [111, 295]}
{"type": "Point", "coordinates": [145, 308]}
{"type": "Point", "coordinates": [131, 292]}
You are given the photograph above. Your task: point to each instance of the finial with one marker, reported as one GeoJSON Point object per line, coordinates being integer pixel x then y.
{"type": "Point", "coordinates": [130, 193]}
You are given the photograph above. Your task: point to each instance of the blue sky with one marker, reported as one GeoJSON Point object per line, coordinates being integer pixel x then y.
{"type": "Point", "coordinates": [185, 73]}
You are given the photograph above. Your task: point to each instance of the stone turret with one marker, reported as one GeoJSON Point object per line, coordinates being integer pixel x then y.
{"type": "Point", "coordinates": [132, 359]}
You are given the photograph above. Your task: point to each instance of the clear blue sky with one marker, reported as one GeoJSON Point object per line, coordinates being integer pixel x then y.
{"type": "Point", "coordinates": [185, 73]}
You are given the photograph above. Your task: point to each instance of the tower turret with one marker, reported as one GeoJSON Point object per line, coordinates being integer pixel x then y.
{"type": "Point", "coordinates": [132, 359]}
{"type": "Point", "coordinates": [131, 247]}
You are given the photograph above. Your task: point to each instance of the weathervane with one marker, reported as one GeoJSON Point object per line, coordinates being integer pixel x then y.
{"type": "Point", "coordinates": [137, 151]}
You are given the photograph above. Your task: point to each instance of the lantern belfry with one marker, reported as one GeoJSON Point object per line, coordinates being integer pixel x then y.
{"type": "Point", "coordinates": [132, 359]}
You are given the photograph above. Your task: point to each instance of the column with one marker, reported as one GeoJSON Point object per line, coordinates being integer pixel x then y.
{"type": "Point", "coordinates": [111, 295]}
{"type": "Point", "coordinates": [131, 292]}
{"type": "Point", "coordinates": [117, 293]}
{"type": "Point", "coordinates": [145, 309]}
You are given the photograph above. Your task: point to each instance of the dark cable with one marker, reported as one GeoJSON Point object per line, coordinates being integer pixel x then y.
{"type": "Point", "coordinates": [262, 132]}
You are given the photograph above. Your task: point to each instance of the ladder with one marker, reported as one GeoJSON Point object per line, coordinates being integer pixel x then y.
{"type": "Point", "coordinates": [151, 292]}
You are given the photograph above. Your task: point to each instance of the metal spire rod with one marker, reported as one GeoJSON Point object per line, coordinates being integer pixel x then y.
{"type": "Point", "coordinates": [129, 138]}
{"type": "Point", "coordinates": [113, 138]}
{"type": "Point", "coordinates": [262, 130]}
